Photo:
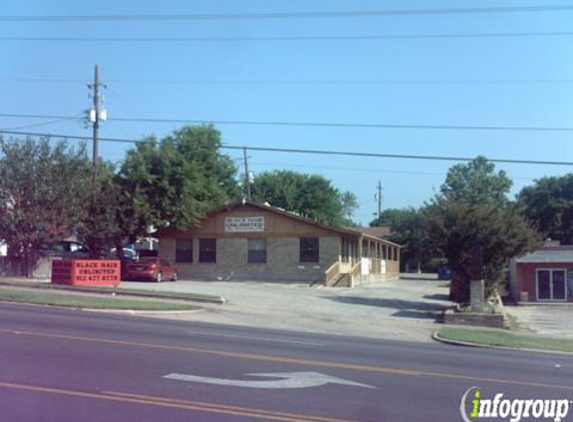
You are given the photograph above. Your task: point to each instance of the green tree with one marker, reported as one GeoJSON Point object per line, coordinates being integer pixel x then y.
{"type": "Point", "coordinates": [349, 207]}
{"type": "Point", "coordinates": [409, 228]}
{"type": "Point", "coordinates": [388, 217]}
{"type": "Point", "coordinates": [477, 182]}
{"type": "Point", "coordinates": [478, 240]}
{"type": "Point", "coordinates": [476, 227]}
{"type": "Point", "coordinates": [548, 205]}
{"type": "Point", "coordinates": [176, 180]}
{"type": "Point", "coordinates": [112, 216]}
{"type": "Point", "coordinates": [43, 192]}
{"type": "Point", "coordinates": [311, 196]}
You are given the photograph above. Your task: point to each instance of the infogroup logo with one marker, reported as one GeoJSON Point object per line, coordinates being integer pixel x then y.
{"type": "Point", "coordinates": [474, 407]}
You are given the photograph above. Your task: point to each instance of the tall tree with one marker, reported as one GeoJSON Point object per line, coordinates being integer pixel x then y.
{"type": "Point", "coordinates": [176, 180]}
{"type": "Point", "coordinates": [312, 196]}
{"type": "Point", "coordinates": [548, 204]}
{"type": "Point", "coordinates": [476, 226]}
{"type": "Point", "coordinates": [478, 240]}
{"type": "Point", "coordinates": [477, 182]}
{"type": "Point", "coordinates": [112, 216]}
{"type": "Point", "coordinates": [43, 192]}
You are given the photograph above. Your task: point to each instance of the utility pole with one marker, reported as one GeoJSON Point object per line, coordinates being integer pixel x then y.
{"type": "Point", "coordinates": [95, 115]}
{"type": "Point", "coordinates": [247, 176]}
{"type": "Point", "coordinates": [378, 197]}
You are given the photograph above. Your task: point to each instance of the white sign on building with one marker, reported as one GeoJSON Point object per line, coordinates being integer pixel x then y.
{"type": "Point", "coordinates": [244, 224]}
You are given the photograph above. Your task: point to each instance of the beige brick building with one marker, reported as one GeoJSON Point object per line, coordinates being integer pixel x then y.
{"type": "Point", "coordinates": [250, 241]}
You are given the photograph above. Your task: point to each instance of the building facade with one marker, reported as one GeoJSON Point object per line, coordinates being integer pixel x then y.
{"type": "Point", "coordinates": [545, 275]}
{"type": "Point", "coordinates": [250, 241]}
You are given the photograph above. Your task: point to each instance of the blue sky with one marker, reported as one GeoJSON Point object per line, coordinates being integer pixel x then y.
{"type": "Point", "coordinates": [146, 80]}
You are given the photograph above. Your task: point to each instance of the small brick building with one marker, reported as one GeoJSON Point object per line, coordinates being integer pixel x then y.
{"type": "Point", "coordinates": [249, 241]}
{"type": "Point", "coordinates": [545, 275]}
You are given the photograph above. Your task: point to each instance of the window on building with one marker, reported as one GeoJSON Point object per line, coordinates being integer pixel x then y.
{"type": "Point", "coordinates": [551, 284]}
{"type": "Point", "coordinates": [257, 250]}
{"type": "Point", "coordinates": [207, 250]}
{"type": "Point", "coordinates": [184, 250]}
{"type": "Point", "coordinates": [309, 249]}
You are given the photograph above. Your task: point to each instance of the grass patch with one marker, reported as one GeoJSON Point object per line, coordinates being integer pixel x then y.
{"type": "Point", "coordinates": [91, 302]}
{"type": "Point", "coordinates": [109, 289]}
{"type": "Point", "coordinates": [492, 337]}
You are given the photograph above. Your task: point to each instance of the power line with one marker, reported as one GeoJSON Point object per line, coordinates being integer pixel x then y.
{"type": "Point", "coordinates": [296, 38]}
{"type": "Point", "coordinates": [287, 15]}
{"type": "Point", "coordinates": [413, 157]}
{"type": "Point", "coordinates": [39, 116]}
{"type": "Point", "coordinates": [317, 124]}
{"type": "Point", "coordinates": [275, 164]}
{"type": "Point", "coordinates": [303, 81]}
{"type": "Point", "coordinates": [349, 125]}
{"type": "Point", "coordinates": [312, 152]}
{"type": "Point", "coordinates": [76, 137]}
{"type": "Point", "coordinates": [49, 122]}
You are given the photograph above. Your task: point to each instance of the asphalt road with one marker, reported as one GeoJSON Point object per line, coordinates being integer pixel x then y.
{"type": "Point", "coordinates": [67, 365]}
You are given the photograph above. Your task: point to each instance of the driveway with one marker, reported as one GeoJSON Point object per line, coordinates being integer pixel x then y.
{"type": "Point", "coordinates": [552, 320]}
{"type": "Point", "coordinates": [404, 309]}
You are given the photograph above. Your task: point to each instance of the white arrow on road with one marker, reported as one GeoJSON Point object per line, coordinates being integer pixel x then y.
{"type": "Point", "coordinates": [286, 380]}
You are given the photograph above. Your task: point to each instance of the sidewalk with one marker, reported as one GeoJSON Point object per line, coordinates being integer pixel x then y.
{"type": "Point", "coordinates": [544, 319]}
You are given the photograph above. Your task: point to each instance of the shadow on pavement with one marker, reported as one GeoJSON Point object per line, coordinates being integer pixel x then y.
{"type": "Point", "coordinates": [437, 296]}
{"type": "Point", "coordinates": [405, 308]}
{"type": "Point", "coordinates": [406, 313]}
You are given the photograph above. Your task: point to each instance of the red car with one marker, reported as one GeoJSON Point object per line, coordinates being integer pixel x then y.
{"type": "Point", "coordinates": [154, 269]}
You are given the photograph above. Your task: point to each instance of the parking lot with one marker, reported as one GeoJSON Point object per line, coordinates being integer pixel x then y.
{"type": "Point", "coordinates": [404, 309]}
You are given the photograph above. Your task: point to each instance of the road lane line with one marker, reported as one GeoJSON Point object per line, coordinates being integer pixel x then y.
{"type": "Point", "coordinates": [314, 363]}
{"type": "Point", "coordinates": [237, 355]}
{"type": "Point", "coordinates": [179, 404]}
{"type": "Point", "coordinates": [300, 342]}
{"type": "Point", "coordinates": [224, 406]}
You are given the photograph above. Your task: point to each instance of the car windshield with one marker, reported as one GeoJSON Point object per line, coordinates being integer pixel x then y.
{"type": "Point", "coordinates": [148, 259]}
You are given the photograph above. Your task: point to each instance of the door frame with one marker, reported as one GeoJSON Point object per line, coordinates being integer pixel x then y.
{"type": "Point", "coordinates": [551, 299]}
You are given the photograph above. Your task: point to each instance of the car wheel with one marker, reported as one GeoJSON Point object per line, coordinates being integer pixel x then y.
{"type": "Point", "coordinates": [174, 277]}
{"type": "Point", "coordinates": [158, 277]}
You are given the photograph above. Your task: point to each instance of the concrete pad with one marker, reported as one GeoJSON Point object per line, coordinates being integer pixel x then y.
{"type": "Point", "coordinates": [404, 309]}
{"type": "Point", "coordinates": [551, 320]}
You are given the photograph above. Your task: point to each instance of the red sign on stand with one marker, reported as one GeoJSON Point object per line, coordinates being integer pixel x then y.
{"type": "Point", "coordinates": [86, 272]}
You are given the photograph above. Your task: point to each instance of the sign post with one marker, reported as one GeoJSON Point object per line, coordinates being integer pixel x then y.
{"type": "Point", "coordinates": [86, 272]}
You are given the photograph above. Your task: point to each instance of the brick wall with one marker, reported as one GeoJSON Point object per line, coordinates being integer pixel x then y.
{"type": "Point", "coordinates": [232, 260]}
{"type": "Point", "coordinates": [525, 274]}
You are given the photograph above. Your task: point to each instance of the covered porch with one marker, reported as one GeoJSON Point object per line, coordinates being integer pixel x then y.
{"type": "Point", "coordinates": [364, 259]}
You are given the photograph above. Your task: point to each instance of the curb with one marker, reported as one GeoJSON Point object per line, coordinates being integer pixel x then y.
{"type": "Point", "coordinates": [134, 312]}
{"type": "Point", "coordinates": [137, 312]}
{"type": "Point", "coordinates": [216, 300]}
{"type": "Point", "coordinates": [435, 336]}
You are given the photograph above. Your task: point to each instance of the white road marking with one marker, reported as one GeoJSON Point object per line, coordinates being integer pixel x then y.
{"type": "Point", "coordinates": [276, 340]}
{"type": "Point", "coordinates": [286, 380]}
